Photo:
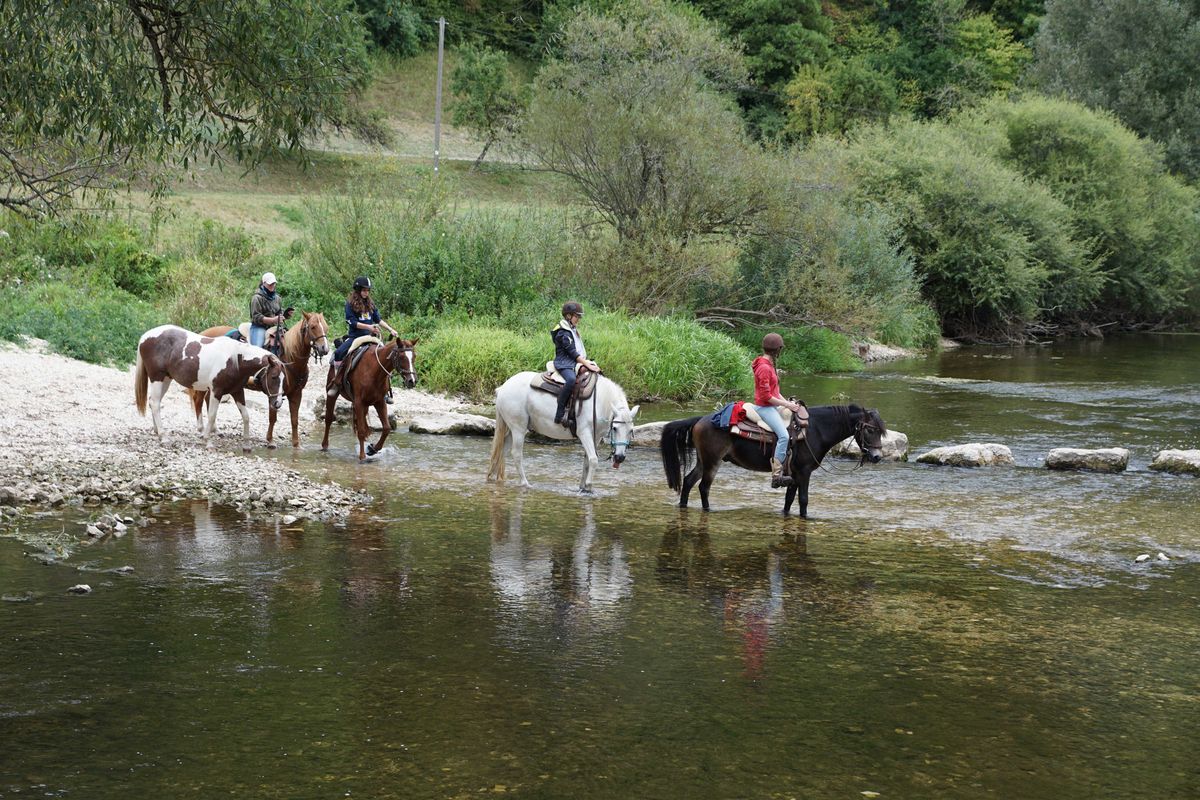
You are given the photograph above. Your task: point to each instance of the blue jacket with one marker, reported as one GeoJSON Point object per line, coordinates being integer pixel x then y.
{"type": "Point", "coordinates": [565, 351]}
{"type": "Point", "coordinates": [351, 318]}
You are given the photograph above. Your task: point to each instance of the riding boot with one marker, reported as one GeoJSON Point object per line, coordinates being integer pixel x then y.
{"type": "Point", "coordinates": [560, 414]}
{"type": "Point", "coordinates": [778, 479]}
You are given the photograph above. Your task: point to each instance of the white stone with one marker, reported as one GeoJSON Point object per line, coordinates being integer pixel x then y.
{"type": "Point", "coordinates": [80, 588]}
{"type": "Point", "coordinates": [968, 455]}
{"type": "Point", "coordinates": [1180, 462]}
{"type": "Point", "coordinates": [288, 519]}
{"type": "Point", "coordinates": [1163, 557]}
{"type": "Point", "coordinates": [1108, 459]}
{"type": "Point", "coordinates": [647, 435]}
{"type": "Point", "coordinates": [895, 447]}
{"type": "Point", "coordinates": [453, 423]}
{"type": "Point", "coordinates": [1142, 557]}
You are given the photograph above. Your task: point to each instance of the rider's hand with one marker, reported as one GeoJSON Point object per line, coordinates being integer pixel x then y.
{"type": "Point", "coordinates": [288, 313]}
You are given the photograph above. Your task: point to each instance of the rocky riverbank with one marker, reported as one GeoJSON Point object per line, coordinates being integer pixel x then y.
{"type": "Point", "coordinates": [71, 436]}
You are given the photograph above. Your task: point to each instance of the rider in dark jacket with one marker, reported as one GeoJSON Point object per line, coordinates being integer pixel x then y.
{"type": "Point", "coordinates": [569, 354]}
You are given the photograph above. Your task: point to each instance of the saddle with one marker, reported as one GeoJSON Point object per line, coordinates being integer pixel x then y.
{"type": "Point", "coordinates": [552, 381]}
{"type": "Point", "coordinates": [353, 355]}
{"type": "Point", "coordinates": [754, 429]}
{"type": "Point", "coordinates": [273, 341]}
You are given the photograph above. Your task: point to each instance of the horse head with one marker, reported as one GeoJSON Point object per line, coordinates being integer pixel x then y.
{"type": "Point", "coordinates": [868, 433]}
{"type": "Point", "coordinates": [404, 360]}
{"type": "Point", "coordinates": [315, 331]}
{"type": "Point", "coordinates": [620, 430]}
{"type": "Point", "coordinates": [272, 380]}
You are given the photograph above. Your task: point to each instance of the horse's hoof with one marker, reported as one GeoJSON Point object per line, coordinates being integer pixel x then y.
{"type": "Point", "coordinates": [247, 450]}
{"type": "Point", "coordinates": [272, 446]}
{"type": "Point", "coordinates": [371, 450]}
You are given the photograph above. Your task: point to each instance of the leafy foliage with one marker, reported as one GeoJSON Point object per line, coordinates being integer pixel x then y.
{"type": "Point", "coordinates": [92, 85]}
{"type": "Point", "coordinates": [488, 102]}
{"type": "Point", "coordinates": [1139, 59]}
{"type": "Point", "coordinates": [1137, 220]}
{"type": "Point", "coordinates": [395, 25]}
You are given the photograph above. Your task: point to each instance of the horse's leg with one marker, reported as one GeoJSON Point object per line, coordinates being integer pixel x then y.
{"type": "Point", "coordinates": [211, 427]}
{"type": "Point", "coordinates": [788, 498]}
{"type": "Point", "coordinates": [689, 481]}
{"type": "Point", "coordinates": [518, 451]}
{"type": "Point", "coordinates": [239, 398]}
{"type": "Point", "coordinates": [710, 472]}
{"type": "Point", "coordinates": [382, 410]}
{"type": "Point", "coordinates": [360, 428]}
{"type": "Point", "coordinates": [330, 405]}
{"type": "Point", "coordinates": [158, 390]}
{"type": "Point", "coordinates": [272, 413]}
{"type": "Point", "coordinates": [802, 489]}
{"type": "Point", "coordinates": [589, 462]}
{"type": "Point", "coordinates": [199, 404]}
{"type": "Point", "coordinates": [294, 411]}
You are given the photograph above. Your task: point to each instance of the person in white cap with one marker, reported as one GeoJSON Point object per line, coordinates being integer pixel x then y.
{"type": "Point", "coordinates": [266, 310]}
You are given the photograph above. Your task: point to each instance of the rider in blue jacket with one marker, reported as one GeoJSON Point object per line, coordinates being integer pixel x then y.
{"type": "Point", "coordinates": [362, 319]}
{"type": "Point", "coordinates": [569, 354]}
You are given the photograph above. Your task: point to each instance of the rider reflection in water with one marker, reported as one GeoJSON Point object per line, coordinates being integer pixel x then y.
{"type": "Point", "coordinates": [569, 354]}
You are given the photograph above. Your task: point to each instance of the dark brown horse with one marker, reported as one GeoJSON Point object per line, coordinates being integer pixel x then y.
{"type": "Point", "coordinates": [299, 343]}
{"type": "Point", "coordinates": [827, 426]}
{"type": "Point", "coordinates": [369, 381]}
{"type": "Point", "coordinates": [202, 363]}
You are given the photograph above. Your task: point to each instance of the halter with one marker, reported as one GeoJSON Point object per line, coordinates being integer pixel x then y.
{"type": "Point", "coordinates": [312, 341]}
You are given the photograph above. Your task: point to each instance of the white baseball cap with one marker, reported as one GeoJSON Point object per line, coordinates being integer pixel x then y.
{"type": "Point", "coordinates": [268, 278]}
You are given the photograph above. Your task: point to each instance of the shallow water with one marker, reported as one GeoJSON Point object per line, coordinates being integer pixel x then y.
{"type": "Point", "coordinates": [931, 632]}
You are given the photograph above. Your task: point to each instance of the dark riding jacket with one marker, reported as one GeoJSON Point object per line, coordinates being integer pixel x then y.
{"type": "Point", "coordinates": [565, 350]}
{"type": "Point", "coordinates": [264, 303]}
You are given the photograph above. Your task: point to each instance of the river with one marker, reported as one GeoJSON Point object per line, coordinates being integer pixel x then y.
{"type": "Point", "coordinates": [930, 632]}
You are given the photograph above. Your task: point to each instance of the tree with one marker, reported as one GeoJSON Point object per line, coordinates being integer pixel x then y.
{"type": "Point", "coordinates": [487, 102]}
{"type": "Point", "coordinates": [92, 87]}
{"type": "Point", "coordinates": [1139, 59]}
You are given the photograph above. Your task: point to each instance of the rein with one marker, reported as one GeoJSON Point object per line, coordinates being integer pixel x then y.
{"type": "Point", "coordinates": [863, 424]}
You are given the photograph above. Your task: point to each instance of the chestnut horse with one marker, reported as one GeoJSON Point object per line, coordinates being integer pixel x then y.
{"type": "Point", "coordinates": [369, 381]}
{"type": "Point", "coordinates": [202, 363]}
{"type": "Point", "coordinates": [310, 336]}
{"type": "Point", "coordinates": [827, 425]}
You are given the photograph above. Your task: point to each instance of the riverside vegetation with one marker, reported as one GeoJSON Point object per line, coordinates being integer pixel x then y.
{"type": "Point", "coordinates": [970, 208]}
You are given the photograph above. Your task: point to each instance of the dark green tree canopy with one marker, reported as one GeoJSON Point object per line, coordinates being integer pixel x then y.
{"type": "Point", "coordinates": [90, 86]}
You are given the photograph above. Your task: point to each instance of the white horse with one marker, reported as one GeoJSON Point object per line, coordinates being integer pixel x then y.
{"type": "Point", "coordinates": [520, 409]}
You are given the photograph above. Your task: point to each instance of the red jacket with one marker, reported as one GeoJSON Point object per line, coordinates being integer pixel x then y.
{"type": "Point", "coordinates": [766, 381]}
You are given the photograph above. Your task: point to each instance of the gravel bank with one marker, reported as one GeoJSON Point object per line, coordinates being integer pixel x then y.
{"type": "Point", "coordinates": [71, 435]}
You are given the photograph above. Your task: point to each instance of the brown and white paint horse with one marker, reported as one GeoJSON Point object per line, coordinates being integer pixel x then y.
{"type": "Point", "coordinates": [202, 363]}
{"type": "Point", "coordinates": [299, 343]}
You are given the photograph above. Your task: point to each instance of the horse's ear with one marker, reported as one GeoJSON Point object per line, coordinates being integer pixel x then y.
{"type": "Point", "coordinates": [633, 411]}
{"type": "Point", "coordinates": [415, 340]}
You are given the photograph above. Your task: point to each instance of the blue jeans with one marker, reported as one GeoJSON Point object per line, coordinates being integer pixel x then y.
{"type": "Point", "coordinates": [770, 415]}
{"type": "Point", "coordinates": [258, 336]}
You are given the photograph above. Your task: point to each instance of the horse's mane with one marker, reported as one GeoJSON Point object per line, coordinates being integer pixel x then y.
{"type": "Point", "coordinates": [293, 342]}
{"type": "Point", "coordinates": [848, 413]}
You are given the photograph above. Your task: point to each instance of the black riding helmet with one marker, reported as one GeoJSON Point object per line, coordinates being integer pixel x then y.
{"type": "Point", "coordinates": [362, 282]}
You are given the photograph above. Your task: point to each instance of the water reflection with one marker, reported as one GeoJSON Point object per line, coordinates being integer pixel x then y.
{"type": "Point", "coordinates": [561, 572]}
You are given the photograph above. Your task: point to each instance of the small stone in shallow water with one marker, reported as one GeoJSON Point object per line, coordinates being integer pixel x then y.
{"type": "Point", "coordinates": [92, 530]}
{"type": "Point", "coordinates": [1142, 557]}
{"type": "Point", "coordinates": [80, 588]}
{"type": "Point", "coordinates": [289, 519]}
{"type": "Point", "coordinates": [125, 570]}
{"type": "Point", "coordinates": [1163, 557]}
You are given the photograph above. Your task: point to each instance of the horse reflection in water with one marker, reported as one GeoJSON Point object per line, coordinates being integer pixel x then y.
{"type": "Point", "coordinates": [750, 591]}
{"type": "Point", "coordinates": [538, 578]}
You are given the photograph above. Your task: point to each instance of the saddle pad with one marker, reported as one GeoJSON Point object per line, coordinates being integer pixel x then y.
{"type": "Point", "coordinates": [360, 341]}
{"type": "Point", "coordinates": [244, 330]}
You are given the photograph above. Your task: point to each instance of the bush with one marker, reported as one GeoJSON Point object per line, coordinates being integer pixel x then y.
{"type": "Point", "coordinates": [652, 358]}
{"type": "Point", "coordinates": [806, 350]}
{"type": "Point", "coordinates": [993, 248]}
{"type": "Point", "coordinates": [424, 259]}
{"type": "Point", "coordinates": [98, 325]}
{"type": "Point", "coordinates": [1139, 222]}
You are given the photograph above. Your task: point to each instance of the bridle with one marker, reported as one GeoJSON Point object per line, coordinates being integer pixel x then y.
{"type": "Point", "coordinates": [312, 340]}
{"type": "Point", "coordinates": [407, 374]}
{"type": "Point", "coordinates": [863, 425]}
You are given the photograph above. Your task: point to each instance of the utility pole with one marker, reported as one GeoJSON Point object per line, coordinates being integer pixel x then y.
{"type": "Point", "coordinates": [437, 114]}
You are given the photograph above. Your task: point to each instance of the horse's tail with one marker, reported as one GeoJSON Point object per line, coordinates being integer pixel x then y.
{"type": "Point", "coordinates": [197, 397]}
{"type": "Point", "coordinates": [496, 469]}
{"type": "Point", "coordinates": [140, 381]}
{"type": "Point", "coordinates": [676, 441]}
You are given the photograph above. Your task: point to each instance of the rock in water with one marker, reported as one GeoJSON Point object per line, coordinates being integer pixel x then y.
{"type": "Point", "coordinates": [80, 588]}
{"type": "Point", "coordinates": [1108, 459]}
{"type": "Point", "coordinates": [968, 455]}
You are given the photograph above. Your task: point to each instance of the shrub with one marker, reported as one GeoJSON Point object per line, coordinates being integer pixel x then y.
{"type": "Point", "coordinates": [1138, 221]}
{"type": "Point", "coordinates": [806, 349]}
{"type": "Point", "coordinates": [98, 325]}
{"type": "Point", "coordinates": [663, 358]}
